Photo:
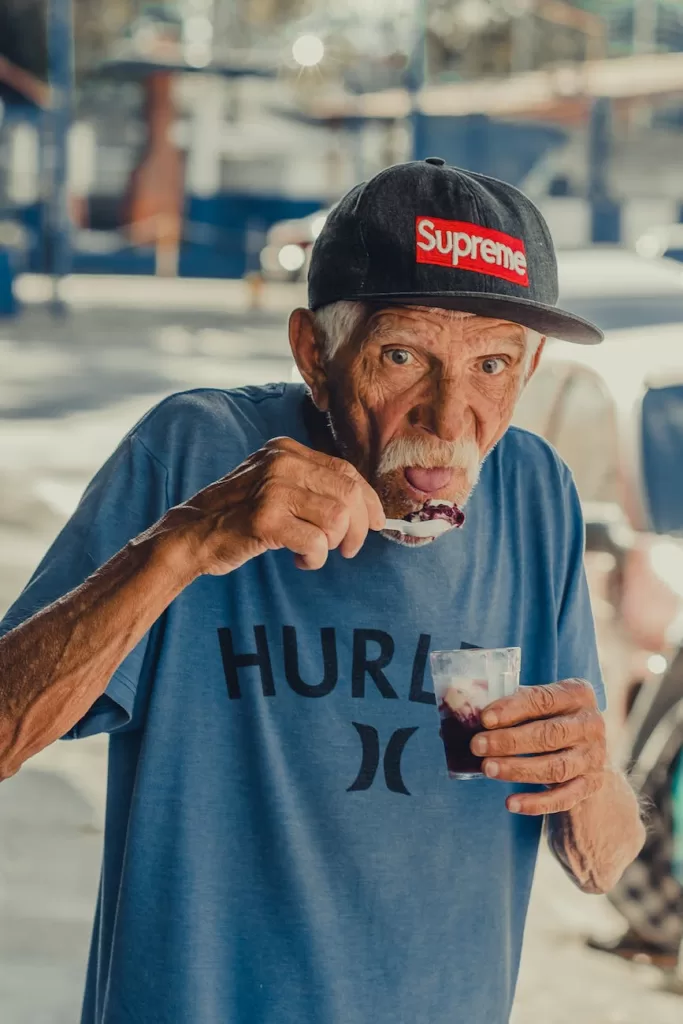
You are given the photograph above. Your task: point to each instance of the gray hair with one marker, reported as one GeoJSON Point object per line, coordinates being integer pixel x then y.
{"type": "Point", "coordinates": [337, 322]}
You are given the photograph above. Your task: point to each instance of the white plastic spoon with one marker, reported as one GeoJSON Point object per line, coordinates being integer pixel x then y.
{"type": "Point", "coordinates": [428, 528]}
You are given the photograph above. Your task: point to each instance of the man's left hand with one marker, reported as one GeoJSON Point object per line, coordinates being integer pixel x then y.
{"type": "Point", "coordinates": [561, 730]}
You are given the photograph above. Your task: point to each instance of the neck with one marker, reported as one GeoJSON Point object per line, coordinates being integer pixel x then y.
{"type": "Point", "coordinates": [318, 427]}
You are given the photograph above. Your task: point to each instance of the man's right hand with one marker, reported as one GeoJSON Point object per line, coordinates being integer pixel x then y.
{"type": "Point", "coordinates": [283, 496]}
{"type": "Point", "coordinates": [55, 665]}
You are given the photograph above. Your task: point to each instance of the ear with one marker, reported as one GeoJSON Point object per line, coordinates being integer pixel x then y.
{"type": "Point", "coordinates": [308, 355]}
{"type": "Point", "coordinates": [536, 360]}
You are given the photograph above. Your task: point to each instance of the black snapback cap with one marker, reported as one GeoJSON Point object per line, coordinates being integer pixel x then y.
{"type": "Point", "coordinates": [426, 234]}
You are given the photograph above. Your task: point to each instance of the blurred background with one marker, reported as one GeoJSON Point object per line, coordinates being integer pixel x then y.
{"type": "Point", "coordinates": [164, 171]}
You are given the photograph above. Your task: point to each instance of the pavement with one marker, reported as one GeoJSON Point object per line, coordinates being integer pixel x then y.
{"type": "Point", "coordinates": [69, 389]}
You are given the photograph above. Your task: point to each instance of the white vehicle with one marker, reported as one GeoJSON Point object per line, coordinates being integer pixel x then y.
{"type": "Point", "coordinates": [287, 251]}
{"type": "Point", "coordinates": [620, 290]}
{"type": "Point", "coordinates": [666, 240]}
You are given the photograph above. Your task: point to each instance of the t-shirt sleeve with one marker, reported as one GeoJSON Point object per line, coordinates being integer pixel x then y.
{"type": "Point", "coordinates": [126, 497]}
{"type": "Point", "coordinates": [577, 645]}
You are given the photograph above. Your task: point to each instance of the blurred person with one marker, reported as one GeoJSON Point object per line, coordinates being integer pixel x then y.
{"type": "Point", "coordinates": [282, 841]}
{"type": "Point", "coordinates": [649, 896]}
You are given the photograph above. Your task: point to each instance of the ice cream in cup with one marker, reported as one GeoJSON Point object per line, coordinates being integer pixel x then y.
{"type": "Point", "coordinates": [466, 682]}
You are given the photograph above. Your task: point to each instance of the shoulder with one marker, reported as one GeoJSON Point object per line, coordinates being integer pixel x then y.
{"type": "Point", "coordinates": [232, 419]}
{"type": "Point", "coordinates": [531, 454]}
{"type": "Point", "coordinates": [536, 504]}
{"type": "Point", "coordinates": [210, 406]}
{"type": "Point", "coordinates": [532, 462]}
{"type": "Point", "coordinates": [533, 483]}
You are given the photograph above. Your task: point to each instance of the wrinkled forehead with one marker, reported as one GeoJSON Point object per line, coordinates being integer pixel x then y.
{"type": "Point", "coordinates": [425, 323]}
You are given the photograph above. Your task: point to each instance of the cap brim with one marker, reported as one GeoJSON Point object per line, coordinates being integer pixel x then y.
{"type": "Point", "coordinates": [547, 320]}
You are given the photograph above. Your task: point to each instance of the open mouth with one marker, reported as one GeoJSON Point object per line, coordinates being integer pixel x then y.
{"type": "Point", "coordinates": [428, 481]}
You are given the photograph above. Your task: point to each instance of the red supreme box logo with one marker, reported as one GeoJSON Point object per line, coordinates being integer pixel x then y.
{"type": "Point", "coordinates": [455, 243]}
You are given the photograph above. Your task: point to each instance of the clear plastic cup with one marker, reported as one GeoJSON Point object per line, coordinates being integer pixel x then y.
{"type": "Point", "coordinates": [465, 682]}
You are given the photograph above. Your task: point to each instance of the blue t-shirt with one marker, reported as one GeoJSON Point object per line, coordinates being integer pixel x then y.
{"type": "Point", "coordinates": [283, 844]}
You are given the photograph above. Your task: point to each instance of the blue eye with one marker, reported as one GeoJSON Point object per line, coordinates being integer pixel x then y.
{"type": "Point", "coordinates": [493, 366]}
{"type": "Point", "coordinates": [399, 356]}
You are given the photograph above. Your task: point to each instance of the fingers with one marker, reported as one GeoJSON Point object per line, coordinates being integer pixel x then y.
{"type": "Point", "coordinates": [344, 525]}
{"type": "Point", "coordinates": [377, 519]}
{"type": "Point", "coordinates": [285, 496]}
{"type": "Point", "coordinates": [342, 480]}
{"type": "Point", "coordinates": [569, 745]}
{"type": "Point", "coordinates": [362, 492]}
{"type": "Point", "coordinates": [330, 502]}
{"type": "Point", "coordinates": [558, 799]}
{"type": "Point", "coordinates": [546, 769]}
{"type": "Point", "coordinates": [330, 493]}
{"type": "Point", "coordinates": [326, 474]}
{"type": "Point", "coordinates": [543, 736]}
{"type": "Point", "coordinates": [358, 519]}
{"type": "Point", "coordinates": [309, 544]}
{"type": "Point", "coordinates": [534, 702]}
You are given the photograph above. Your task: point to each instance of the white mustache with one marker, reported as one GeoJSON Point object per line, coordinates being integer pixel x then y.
{"type": "Point", "coordinates": [462, 454]}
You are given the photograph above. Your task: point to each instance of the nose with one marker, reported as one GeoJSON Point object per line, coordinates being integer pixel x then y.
{"type": "Point", "coordinates": [445, 411]}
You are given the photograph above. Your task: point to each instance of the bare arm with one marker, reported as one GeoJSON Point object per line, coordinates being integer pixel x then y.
{"type": "Point", "coordinates": [55, 665]}
{"type": "Point", "coordinates": [595, 828]}
{"type": "Point", "coordinates": [597, 839]}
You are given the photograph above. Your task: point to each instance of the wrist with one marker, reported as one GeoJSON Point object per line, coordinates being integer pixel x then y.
{"type": "Point", "coordinates": [178, 555]}
{"type": "Point", "coordinates": [167, 549]}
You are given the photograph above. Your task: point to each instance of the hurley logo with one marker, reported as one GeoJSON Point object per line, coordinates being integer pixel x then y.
{"type": "Point", "coordinates": [455, 243]}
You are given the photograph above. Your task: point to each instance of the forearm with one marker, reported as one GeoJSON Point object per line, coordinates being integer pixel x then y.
{"type": "Point", "coordinates": [597, 840]}
{"type": "Point", "coordinates": [54, 666]}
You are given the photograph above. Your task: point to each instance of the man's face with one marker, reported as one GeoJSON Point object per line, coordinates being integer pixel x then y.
{"type": "Point", "coordinates": [419, 401]}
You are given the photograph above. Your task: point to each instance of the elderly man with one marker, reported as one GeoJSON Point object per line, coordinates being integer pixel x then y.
{"type": "Point", "coordinates": [283, 843]}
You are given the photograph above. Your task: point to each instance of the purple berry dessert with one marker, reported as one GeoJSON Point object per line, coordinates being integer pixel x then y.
{"type": "Point", "coordinates": [460, 721]}
{"type": "Point", "coordinates": [438, 510]}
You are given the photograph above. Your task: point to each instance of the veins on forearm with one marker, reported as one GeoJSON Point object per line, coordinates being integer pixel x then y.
{"type": "Point", "coordinates": [597, 840]}
{"type": "Point", "coordinates": [55, 665]}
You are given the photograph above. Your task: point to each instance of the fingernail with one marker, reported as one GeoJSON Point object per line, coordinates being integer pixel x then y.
{"type": "Point", "coordinates": [490, 719]}
{"type": "Point", "coordinates": [515, 806]}
{"type": "Point", "coordinates": [492, 769]}
{"type": "Point", "coordinates": [480, 745]}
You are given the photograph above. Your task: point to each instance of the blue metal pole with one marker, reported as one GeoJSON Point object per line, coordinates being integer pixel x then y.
{"type": "Point", "coordinates": [605, 213]}
{"type": "Point", "coordinates": [417, 72]}
{"type": "Point", "coordinates": [61, 78]}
